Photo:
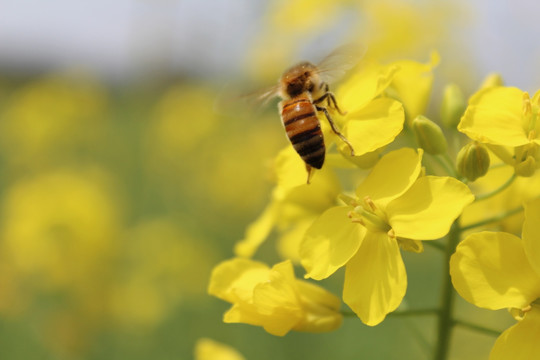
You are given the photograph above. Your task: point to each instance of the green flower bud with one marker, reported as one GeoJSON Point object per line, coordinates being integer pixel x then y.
{"type": "Point", "coordinates": [473, 161]}
{"type": "Point", "coordinates": [429, 135]}
{"type": "Point", "coordinates": [453, 106]}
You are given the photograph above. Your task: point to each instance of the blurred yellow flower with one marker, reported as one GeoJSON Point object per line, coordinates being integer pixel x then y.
{"type": "Point", "coordinates": [150, 281]}
{"type": "Point", "coordinates": [273, 298]}
{"type": "Point", "coordinates": [58, 229]}
{"type": "Point", "coordinates": [497, 270]}
{"type": "Point", "coordinates": [394, 207]}
{"type": "Point", "coordinates": [187, 142]}
{"type": "Point", "coordinates": [51, 119]}
{"type": "Point", "coordinates": [207, 349]}
{"type": "Point", "coordinates": [398, 28]}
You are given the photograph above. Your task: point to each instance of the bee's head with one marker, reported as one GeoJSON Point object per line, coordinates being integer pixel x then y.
{"type": "Point", "coordinates": [299, 79]}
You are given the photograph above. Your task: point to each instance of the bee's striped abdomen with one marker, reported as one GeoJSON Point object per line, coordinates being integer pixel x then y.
{"type": "Point", "coordinates": [303, 129]}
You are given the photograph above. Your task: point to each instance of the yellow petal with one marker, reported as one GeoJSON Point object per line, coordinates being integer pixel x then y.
{"type": "Point", "coordinates": [278, 323]}
{"type": "Point", "coordinates": [491, 270]}
{"type": "Point", "coordinates": [521, 340]}
{"type": "Point", "coordinates": [428, 209]}
{"type": "Point", "coordinates": [531, 233]}
{"type": "Point", "coordinates": [374, 126]}
{"type": "Point", "coordinates": [375, 279]}
{"type": "Point", "coordinates": [235, 279]}
{"type": "Point", "coordinates": [321, 307]}
{"type": "Point", "coordinates": [257, 232]}
{"type": "Point", "coordinates": [413, 83]}
{"type": "Point", "coordinates": [279, 292]}
{"type": "Point", "coordinates": [290, 169]}
{"type": "Point", "coordinates": [330, 242]}
{"type": "Point", "coordinates": [391, 176]}
{"type": "Point", "coordinates": [363, 86]}
{"type": "Point", "coordinates": [505, 153]}
{"type": "Point", "coordinates": [289, 242]}
{"type": "Point", "coordinates": [207, 349]}
{"type": "Point", "coordinates": [292, 175]}
{"type": "Point", "coordinates": [273, 302]}
{"type": "Point", "coordinates": [494, 116]}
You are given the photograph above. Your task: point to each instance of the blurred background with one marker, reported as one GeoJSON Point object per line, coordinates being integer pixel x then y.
{"type": "Point", "coordinates": [122, 183]}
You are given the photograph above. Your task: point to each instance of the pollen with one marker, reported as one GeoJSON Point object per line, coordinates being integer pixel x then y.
{"type": "Point", "coordinates": [527, 107]}
{"type": "Point", "coordinates": [370, 203]}
{"type": "Point", "coordinates": [355, 217]}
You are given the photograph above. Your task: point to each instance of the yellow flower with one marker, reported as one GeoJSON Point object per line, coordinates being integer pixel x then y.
{"type": "Point", "coordinates": [497, 270]}
{"type": "Point", "coordinates": [208, 149]}
{"type": "Point", "coordinates": [412, 85]}
{"type": "Point", "coordinates": [273, 298]}
{"type": "Point", "coordinates": [49, 118]}
{"type": "Point", "coordinates": [293, 207]}
{"type": "Point", "coordinates": [506, 119]}
{"type": "Point", "coordinates": [207, 349]}
{"type": "Point", "coordinates": [150, 281]}
{"type": "Point", "coordinates": [58, 229]}
{"type": "Point", "coordinates": [372, 121]}
{"type": "Point", "coordinates": [394, 207]}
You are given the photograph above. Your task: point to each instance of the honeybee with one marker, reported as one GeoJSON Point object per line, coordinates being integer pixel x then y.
{"type": "Point", "coordinates": [305, 93]}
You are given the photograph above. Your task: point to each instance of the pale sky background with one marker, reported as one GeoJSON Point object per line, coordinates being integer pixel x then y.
{"type": "Point", "coordinates": [119, 38]}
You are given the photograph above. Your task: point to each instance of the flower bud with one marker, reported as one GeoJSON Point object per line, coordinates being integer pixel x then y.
{"type": "Point", "coordinates": [473, 161]}
{"type": "Point", "coordinates": [492, 80]}
{"type": "Point", "coordinates": [453, 106]}
{"type": "Point", "coordinates": [429, 135]}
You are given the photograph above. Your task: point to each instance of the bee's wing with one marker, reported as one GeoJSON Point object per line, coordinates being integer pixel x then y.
{"type": "Point", "coordinates": [229, 101]}
{"type": "Point", "coordinates": [261, 97]}
{"type": "Point", "coordinates": [341, 60]}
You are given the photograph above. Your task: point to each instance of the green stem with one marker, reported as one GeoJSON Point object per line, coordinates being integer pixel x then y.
{"type": "Point", "coordinates": [493, 219]}
{"type": "Point", "coordinates": [498, 190]}
{"type": "Point", "coordinates": [445, 165]}
{"type": "Point", "coordinates": [413, 312]}
{"type": "Point", "coordinates": [450, 163]}
{"type": "Point", "coordinates": [478, 328]}
{"type": "Point", "coordinates": [446, 321]}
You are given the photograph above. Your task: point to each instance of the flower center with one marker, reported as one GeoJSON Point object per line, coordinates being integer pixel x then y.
{"type": "Point", "coordinates": [370, 216]}
{"type": "Point", "coordinates": [525, 159]}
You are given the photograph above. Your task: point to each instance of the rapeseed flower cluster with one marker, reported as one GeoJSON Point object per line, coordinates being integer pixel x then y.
{"type": "Point", "coordinates": [413, 181]}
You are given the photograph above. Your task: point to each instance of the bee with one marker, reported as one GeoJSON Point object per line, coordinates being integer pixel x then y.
{"type": "Point", "coordinates": [304, 94]}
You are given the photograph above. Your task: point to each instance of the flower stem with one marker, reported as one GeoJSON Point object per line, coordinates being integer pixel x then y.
{"type": "Point", "coordinates": [446, 320]}
{"type": "Point", "coordinates": [478, 328]}
{"type": "Point", "coordinates": [446, 164]}
{"type": "Point", "coordinates": [451, 164]}
{"type": "Point", "coordinates": [493, 219]}
{"type": "Point", "coordinates": [498, 190]}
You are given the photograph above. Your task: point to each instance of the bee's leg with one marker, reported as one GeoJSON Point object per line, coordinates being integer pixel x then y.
{"type": "Point", "coordinates": [331, 99]}
{"type": "Point", "coordinates": [309, 170]}
{"type": "Point", "coordinates": [334, 128]}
